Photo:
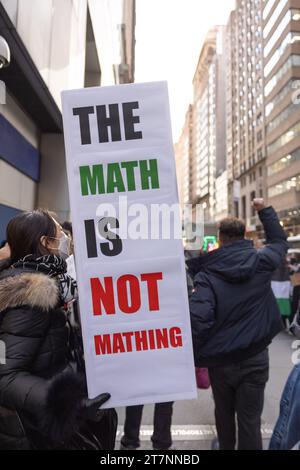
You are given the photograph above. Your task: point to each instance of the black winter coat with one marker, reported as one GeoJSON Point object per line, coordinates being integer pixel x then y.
{"type": "Point", "coordinates": [40, 393]}
{"type": "Point", "coordinates": [234, 313]}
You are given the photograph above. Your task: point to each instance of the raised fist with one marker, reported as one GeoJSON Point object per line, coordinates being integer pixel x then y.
{"type": "Point", "coordinates": [258, 204]}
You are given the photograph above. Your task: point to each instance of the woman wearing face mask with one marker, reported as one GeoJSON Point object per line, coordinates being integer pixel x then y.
{"type": "Point", "coordinates": [43, 396]}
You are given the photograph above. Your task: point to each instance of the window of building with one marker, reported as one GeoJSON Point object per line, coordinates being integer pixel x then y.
{"type": "Point", "coordinates": [252, 176]}
{"type": "Point", "coordinates": [236, 209]}
{"type": "Point", "coordinates": [252, 196]}
{"type": "Point", "coordinates": [268, 7]}
{"type": "Point", "coordinates": [288, 111]}
{"type": "Point", "coordinates": [274, 17]}
{"type": "Point", "coordinates": [279, 97]}
{"type": "Point", "coordinates": [292, 61]}
{"type": "Point", "coordinates": [244, 208]}
{"type": "Point", "coordinates": [290, 38]}
{"type": "Point", "coordinates": [284, 139]}
{"type": "Point", "coordinates": [284, 162]}
{"type": "Point", "coordinates": [290, 15]}
{"type": "Point", "coordinates": [259, 154]}
{"type": "Point", "coordinates": [284, 186]}
{"type": "Point", "coordinates": [259, 136]}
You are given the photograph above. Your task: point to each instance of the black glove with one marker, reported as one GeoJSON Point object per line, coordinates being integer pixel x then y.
{"type": "Point", "coordinates": [90, 408]}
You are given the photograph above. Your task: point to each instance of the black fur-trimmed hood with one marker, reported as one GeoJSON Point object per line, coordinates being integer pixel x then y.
{"type": "Point", "coordinates": [26, 288]}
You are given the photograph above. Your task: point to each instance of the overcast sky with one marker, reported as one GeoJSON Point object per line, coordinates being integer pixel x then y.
{"type": "Point", "coordinates": [169, 36]}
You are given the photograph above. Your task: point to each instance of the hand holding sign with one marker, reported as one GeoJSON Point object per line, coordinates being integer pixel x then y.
{"type": "Point", "coordinates": [91, 409]}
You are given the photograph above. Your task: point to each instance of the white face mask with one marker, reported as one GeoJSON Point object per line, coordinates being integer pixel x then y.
{"type": "Point", "coordinates": [64, 246]}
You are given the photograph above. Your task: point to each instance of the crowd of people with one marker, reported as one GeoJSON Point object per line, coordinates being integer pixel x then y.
{"type": "Point", "coordinates": [234, 317]}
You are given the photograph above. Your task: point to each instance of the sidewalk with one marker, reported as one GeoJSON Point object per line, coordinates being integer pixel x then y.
{"type": "Point", "coordinates": [193, 420]}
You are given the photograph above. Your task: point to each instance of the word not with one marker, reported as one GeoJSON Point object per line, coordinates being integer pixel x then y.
{"type": "Point", "coordinates": [144, 340]}
{"type": "Point", "coordinates": [103, 294]}
{"type": "Point", "coordinates": [94, 180]}
{"type": "Point", "coordinates": [110, 120]}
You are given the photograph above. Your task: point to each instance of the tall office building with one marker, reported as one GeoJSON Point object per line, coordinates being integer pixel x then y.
{"type": "Point", "coordinates": [125, 70]}
{"type": "Point", "coordinates": [183, 155]}
{"type": "Point", "coordinates": [231, 110]}
{"type": "Point", "coordinates": [281, 51]}
{"type": "Point", "coordinates": [55, 45]}
{"type": "Point", "coordinates": [245, 109]}
{"type": "Point", "coordinates": [208, 123]}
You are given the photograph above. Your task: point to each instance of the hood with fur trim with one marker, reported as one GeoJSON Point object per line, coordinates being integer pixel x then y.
{"type": "Point", "coordinates": [31, 289]}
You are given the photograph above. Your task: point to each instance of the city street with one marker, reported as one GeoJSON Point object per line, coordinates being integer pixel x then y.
{"type": "Point", "coordinates": [150, 222]}
{"type": "Point", "coordinates": [195, 418]}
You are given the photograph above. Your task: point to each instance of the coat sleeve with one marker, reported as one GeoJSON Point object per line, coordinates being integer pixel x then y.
{"type": "Point", "coordinates": [272, 255]}
{"type": "Point", "coordinates": [22, 331]}
{"type": "Point", "coordinates": [202, 309]}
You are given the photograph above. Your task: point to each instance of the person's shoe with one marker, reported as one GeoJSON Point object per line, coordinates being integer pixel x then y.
{"type": "Point", "coordinates": [129, 447]}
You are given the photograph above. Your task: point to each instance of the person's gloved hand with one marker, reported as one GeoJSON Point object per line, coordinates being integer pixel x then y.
{"type": "Point", "coordinates": [90, 408]}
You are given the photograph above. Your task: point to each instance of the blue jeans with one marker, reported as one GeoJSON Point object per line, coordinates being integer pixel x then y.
{"type": "Point", "coordinates": [286, 433]}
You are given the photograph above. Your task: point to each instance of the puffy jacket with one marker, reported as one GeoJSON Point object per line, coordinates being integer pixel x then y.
{"type": "Point", "coordinates": [40, 393]}
{"type": "Point", "coordinates": [234, 313]}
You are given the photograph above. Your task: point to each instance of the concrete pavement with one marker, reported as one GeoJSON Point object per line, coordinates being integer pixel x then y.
{"type": "Point", "coordinates": [193, 420]}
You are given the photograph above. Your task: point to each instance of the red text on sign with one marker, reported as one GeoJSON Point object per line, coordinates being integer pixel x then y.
{"type": "Point", "coordinates": [144, 340]}
{"type": "Point", "coordinates": [128, 293]}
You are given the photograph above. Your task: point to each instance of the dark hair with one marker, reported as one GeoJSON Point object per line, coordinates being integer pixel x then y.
{"type": "Point", "coordinates": [24, 233]}
{"type": "Point", "coordinates": [68, 227]}
{"type": "Point", "coordinates": [3, 243]}
{"type": "Point", "coordinates": [231, 229]}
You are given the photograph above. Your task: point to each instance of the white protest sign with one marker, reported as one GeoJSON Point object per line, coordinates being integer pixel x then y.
{"type": "Point", "coordinates": [131, 281]}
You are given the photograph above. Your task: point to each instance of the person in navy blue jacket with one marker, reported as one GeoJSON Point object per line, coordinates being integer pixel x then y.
{"type": "Point", "coordinates": [234, 318]}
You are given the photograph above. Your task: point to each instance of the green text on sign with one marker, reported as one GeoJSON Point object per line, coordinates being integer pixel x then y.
{"type": "Point", "coordinates": [119, 177]}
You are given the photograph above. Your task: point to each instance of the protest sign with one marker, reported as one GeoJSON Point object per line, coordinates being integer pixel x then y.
{"type": "Point", "coordinates": [131, 280]}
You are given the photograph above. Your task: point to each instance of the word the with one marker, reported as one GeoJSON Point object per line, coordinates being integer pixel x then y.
{"type": "Point", "coordinates": [110, 120]}
{"type": "Point", "coordinates": [144, 340]}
